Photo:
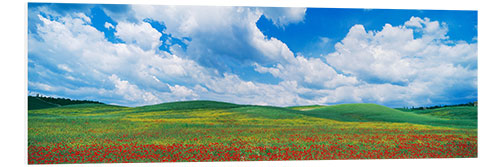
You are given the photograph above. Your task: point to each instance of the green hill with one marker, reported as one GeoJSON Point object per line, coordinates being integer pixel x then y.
{"type": "Point", "coordinates": [213, 111]}
{"type": "Point", "coordinates": [305, 108]}
{"type": "Point", "coordinates": [267, 112]}
{"type": "Point", "coordinates": [453, 112]}
{"type": "Point", "coordinates": [378, 113]}
{"type": "Point", "coordinates": [41, 102]}
{"type": "Point", "coordinates": [187, 105]}
{"type": "Point", "coordinates": [80, 111]}
{"type": "Point", "coordinates": [237, 111]}
{"type": "Point", "coordinates": [35, 103]}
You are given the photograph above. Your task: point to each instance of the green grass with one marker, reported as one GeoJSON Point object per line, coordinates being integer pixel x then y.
{"type": "Point", "coordinates": [41, 102]}
{"type": "Point", "coordinates": [221, 112]}
{"type": "Point", "coordinates": [267, 112]}
{"type": "Point", "coordinates": [369, 127]}
{"type": "Point", "coordinates": [35, 103]}
{"type": "Point", "coordinates": [187, 105]}
{"type": "Point", "coordinates": [79, 111]}
{"type": "Point", "coordinates": [378, 113]}
{"type": "Point", "coordinates": [454, 113]}
{"type": "Point", "coordinates": [306, 108]}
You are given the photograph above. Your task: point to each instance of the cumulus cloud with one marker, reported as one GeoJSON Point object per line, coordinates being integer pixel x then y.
{"type": "Point", "coordinates": [83, 17]}
{"type": "Point", "coordinates": [235, 39]}
{"type": "Point", "coordinates": [284, 16]}
{"type": "Point", "coordinates": [108, 25]}
{"type": "Point", "coordinates": [141, 34]}
{"type": "Point", "coordinates": [309, 72]}
{"type": "Point", "coordinates": [182, 92]}
{"type": "Point", "coordinates": [41, 86]}
{"type": "Point", "coordinates": [216, 43]}
{"type": "Point", "coordinates": [431, 29]}
{"type": "Point", "coordinates": [410, 64]}
{"type": "Point", "coordinates": [64, 67]}
{"type": "Point", "coordinates": [135, 72]}
{"type": "Point", "coordinates": [131, 92]}
{"type": "Point", "coordinates": [427, 64]}
{"type": "Point", "coordinates": [129, 73]}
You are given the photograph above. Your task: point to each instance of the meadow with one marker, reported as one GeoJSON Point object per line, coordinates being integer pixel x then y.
{"type": "Point", "coordinates": [217, 131]}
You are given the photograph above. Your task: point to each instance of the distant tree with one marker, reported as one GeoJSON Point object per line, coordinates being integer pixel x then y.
{"type": "Point", "coordinates": [64, 101]}
{"type": "Point", "coordinates": [440, 106]}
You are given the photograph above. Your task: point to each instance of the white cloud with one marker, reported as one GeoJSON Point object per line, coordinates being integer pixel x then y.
{"type": "Point", "coordinates": [414, 22]}
{"type": "Point", "coordinates": [83, 17]}
{"type": "Point", "coordinates": [431, 29]}
{"type": "Point", "coordinates": [128, 75]}
{"type": "Point", "coordinates": [141, 34]}
{"type": "Point", "coordinates": [108, 25]}
{"type": "Point", "coordinates": [395, 55]}
{"type": "Point", "coordinates": [41, 86]}
{"type": "Point", "coordinates": [231, 88]}
{"type": "Point", "coordinates": [182, 92]}
{"type": "Point", "coordinates": [284, 16]}
{"type": "Point", "coordinates": [125, 70]}
{"type": "Point", "coordinates": [427, 68]}
{"type": "Point", "coordinates": [64, 67]}
{"type": "Point", "coordinates": [308, 71]}
{"type": "Point", "coordinates": [236, 37]}
{"type": "Point", "coordinates": [390, 66]}
{"type": "Point", "coordinates": [131, 92]}
{"type": "Point", "coordinates": [324, 40]}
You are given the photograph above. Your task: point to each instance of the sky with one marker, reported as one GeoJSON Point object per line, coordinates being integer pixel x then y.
{"type": "Point", "coordinates": [135, 55]}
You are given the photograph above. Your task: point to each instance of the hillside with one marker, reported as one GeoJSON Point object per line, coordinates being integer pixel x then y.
{"type": "Point", "coordinates": [80, 111]}
{"type": "Point", "coordinates": [266, 112]}
{"type": "Point", "coordinates": [305, 108]}
{"type": "Point", "coordinates": [378, 113]}
{"type": "Point", "coordinates": [41, 102]}
{"type": "Point", "coordinates": [37, 103]}
{"type": "Point", "coordinates": [453, 112]}
{"type": "Point", "coordinates": [213, 112]}
{"type": "Point", "coordinates": [187, 105]}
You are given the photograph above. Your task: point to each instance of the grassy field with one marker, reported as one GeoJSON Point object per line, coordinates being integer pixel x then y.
{"type": "Point", "coordinates": [454, 113]}
{"type": "Point", "coordinates": [217, 131]}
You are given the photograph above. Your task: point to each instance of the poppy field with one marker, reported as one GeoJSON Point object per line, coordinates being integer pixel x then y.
{"type": "Point", "coordinates": [214, 131]}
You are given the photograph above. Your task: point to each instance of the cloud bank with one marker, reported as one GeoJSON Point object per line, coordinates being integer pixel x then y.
{"type": "Point", "coordinates": [172, 53]}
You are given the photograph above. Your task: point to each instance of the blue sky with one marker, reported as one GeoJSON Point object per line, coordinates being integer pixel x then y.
{"type": "Point", "coordinates": [139, 54]}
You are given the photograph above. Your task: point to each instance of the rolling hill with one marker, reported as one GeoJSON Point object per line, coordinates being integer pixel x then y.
{"type": "Point", "coordinates": [37, 103]}
{"type": "Point", "coordinates": [41, 102]}
{"type": "Point", "coordinates": [187, 105]}
{"type": "Point", "coordinates": [379, 113]}
{"type": "Point", "coordinates": [213, 111]}
{"type": "Point", "coordinates": [453, 112]}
